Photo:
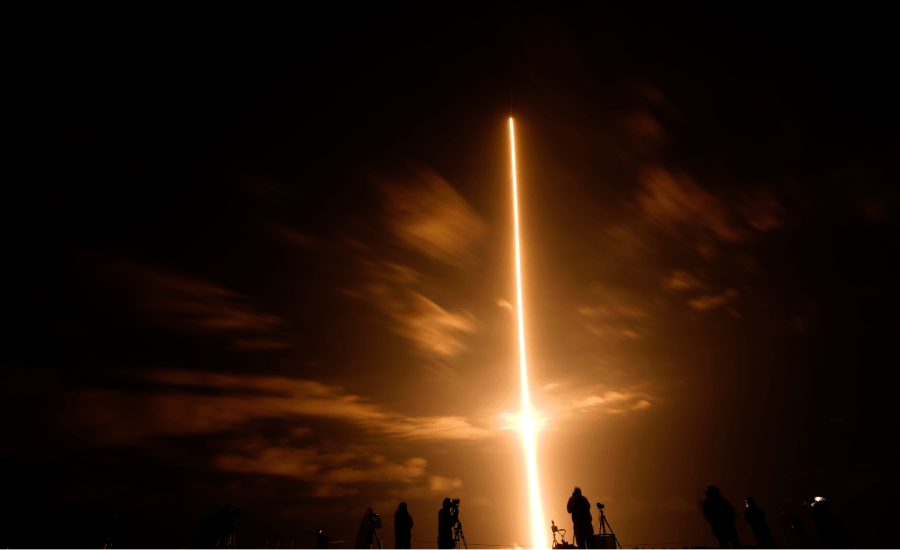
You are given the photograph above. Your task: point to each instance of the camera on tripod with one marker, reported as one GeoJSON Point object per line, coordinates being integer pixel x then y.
{"type": "Point", "coordinates": [454, 507]}
{"type": "Point", "coordinates": [604, 539]}
{"type": "Point", "coordinates": [562, 533]}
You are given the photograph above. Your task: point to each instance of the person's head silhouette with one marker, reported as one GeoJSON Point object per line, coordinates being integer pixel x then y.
{"type": "Point", "coordinates": [750, 502]}
{"type": "Point", "coordinates": [402, 508]}
{"type": "Point", "coordinates": [447, 502]}
{"type": "Point", "coordinates": [576, 492]}
{"type": "Point", "coordinates": [713, 492]}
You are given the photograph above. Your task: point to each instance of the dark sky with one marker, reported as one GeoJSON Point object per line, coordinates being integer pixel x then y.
{"type": "Point", "coordinates": [265, 259]}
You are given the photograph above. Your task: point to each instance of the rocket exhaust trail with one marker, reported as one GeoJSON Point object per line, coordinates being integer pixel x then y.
{"type": "Point", "coordinates": [527, 425]}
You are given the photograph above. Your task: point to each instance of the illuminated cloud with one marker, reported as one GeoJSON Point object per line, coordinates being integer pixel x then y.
{"type": "Point", "coordinates": [704, 303]}
{"type": "Point", "coordinates": [189, 409]}
{"type": "Point", "coordinates": [595, 400]}
{"type": "Point", "coordinates": [682, 280]}
{"type": "Point", "coordinates": [557, 402]}
{"type": "Point", "coordinates": [617, 313]}
{"type": "Point", "coordinates": [762, 210]}
{"type": "Point", "coordinates": [433, 328]}
{"type": "Point", "coordinates": [436, 332]}
{"type": "Point", "coordinates": [333, 491]}
{"type": "Point", "coordinates": [428, 215]}
{"type": "Point", "coordinates": [200, 307]}
{"type": "Point", "coordinates": [327, 470]}
{"type": "Point", "coordinates": [678, 202]}
{"type": "Point", "coordinates": [440, 484]}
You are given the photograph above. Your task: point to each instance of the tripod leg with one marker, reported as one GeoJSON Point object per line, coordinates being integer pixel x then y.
{"type": "Point", "coordinates": [616, 539]}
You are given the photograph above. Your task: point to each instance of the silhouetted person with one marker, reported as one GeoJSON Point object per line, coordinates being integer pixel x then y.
{"type": "Point", "coordinates": [830, 533]}
{"type": "Point", "coordinates": [366, 524]}
{"type": "Point", "coordinates": [720, 515]}
{"type": "Point", "coordinates": [580, 508]}
{"type": "Point", "coordinates": [754, 515]}
{"type": "Point", "coordinates": [446, 521]}
{"type": "Point", "coordinates": [403, 527]}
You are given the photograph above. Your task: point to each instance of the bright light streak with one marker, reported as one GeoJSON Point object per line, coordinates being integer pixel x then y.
{"type": "Point", "coordinates": [528, 424]}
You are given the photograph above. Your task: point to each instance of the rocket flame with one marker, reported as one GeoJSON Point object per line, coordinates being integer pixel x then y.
{"type": "Point", "coordinates": [528, 425]}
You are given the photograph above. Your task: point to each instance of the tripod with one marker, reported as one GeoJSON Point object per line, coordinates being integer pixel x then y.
{"type": "Point", "coordinates": [604, 524]}
{"type": "Point", "coordinates": [372, 533]}
{"type": "Point", "coordinates": [226, 539]}
{"type": "Point", "coordinates": [562, 535]}
{"type": "Point", "coordinates": [458, 536]}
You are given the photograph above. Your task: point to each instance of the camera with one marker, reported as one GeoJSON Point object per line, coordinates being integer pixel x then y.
{"type": "Point", "coordinates": [601, 506]}
{"type": "Point", "coordinates": [374, 515]}
{"type": "Point", "coordinates": [454, 503]}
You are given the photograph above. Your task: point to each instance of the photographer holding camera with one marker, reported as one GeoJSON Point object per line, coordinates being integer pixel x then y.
{"type": "Point", "coordinates": [367, 526]}
{"type": "Point", "coordinates": [580, 508]}
{"type": "Point", "coordinates": [447, 518]}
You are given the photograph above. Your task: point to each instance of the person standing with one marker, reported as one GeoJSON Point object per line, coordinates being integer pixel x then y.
{"type": "Point", "coordinates": [754, 515]}
{"type": "Point", "coordinates": [580, 508]}
{"type": "Point", "coordinates": [403, 523]}
{"type": "Point", "coordinates": [720, 515]}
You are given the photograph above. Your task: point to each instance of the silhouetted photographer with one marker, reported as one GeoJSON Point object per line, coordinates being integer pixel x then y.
{"type": "Point", "coordinates": [720, 515]}
{"type": "Point", "coordinates": [367, 526]}
{"type": "Point", "coordinates": [450, 533]}
{"type": "Point", "coordinates": [580, 508]}
{"type": "Point", "coordinates": [754, 515]}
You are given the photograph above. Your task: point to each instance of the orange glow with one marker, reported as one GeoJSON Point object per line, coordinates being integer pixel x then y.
{"type": "Point", "coordinates": [528, 425]}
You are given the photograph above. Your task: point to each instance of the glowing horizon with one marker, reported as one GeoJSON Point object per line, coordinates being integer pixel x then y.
{"type": "Point", "coordinates": [527, 425]}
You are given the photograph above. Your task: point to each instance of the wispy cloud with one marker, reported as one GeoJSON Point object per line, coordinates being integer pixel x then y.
{"type": "Point", "coordinates": [682, 280]}
{"type": "Point", "coordinates": [762, 210]}
{"type": "Point", "coordinates": [186, 407]}
{"type": "Point", "coordinates": [704, 303]}
{"type": "Point", "coordinates": [614, 402]}
{"type": "Point", "coordinates": [550, 406]}
{"type": "Point", "coordinates": [327, 470]}
{"type": "Point", "coordinates": [677, 202]}
{"type": "Point", "coordinates": [428, 215]}
{"type": "Point", "coordinates": [439, 484]}
{"type": "Point", "coordinates": [433, 328]}
{"type": "Point", "coordinates": [196, 306]}
{"type": "Point", "coordinates": [615, 313]}
{"type": "Point", "coordinates": [435, 331]}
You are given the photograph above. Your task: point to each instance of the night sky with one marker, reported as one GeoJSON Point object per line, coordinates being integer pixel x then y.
{"type": "Point", "coordinates": [265, 260]}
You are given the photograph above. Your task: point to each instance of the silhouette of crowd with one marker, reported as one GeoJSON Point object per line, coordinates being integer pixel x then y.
{"type": "Point", "coordinates": [217, 530]}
